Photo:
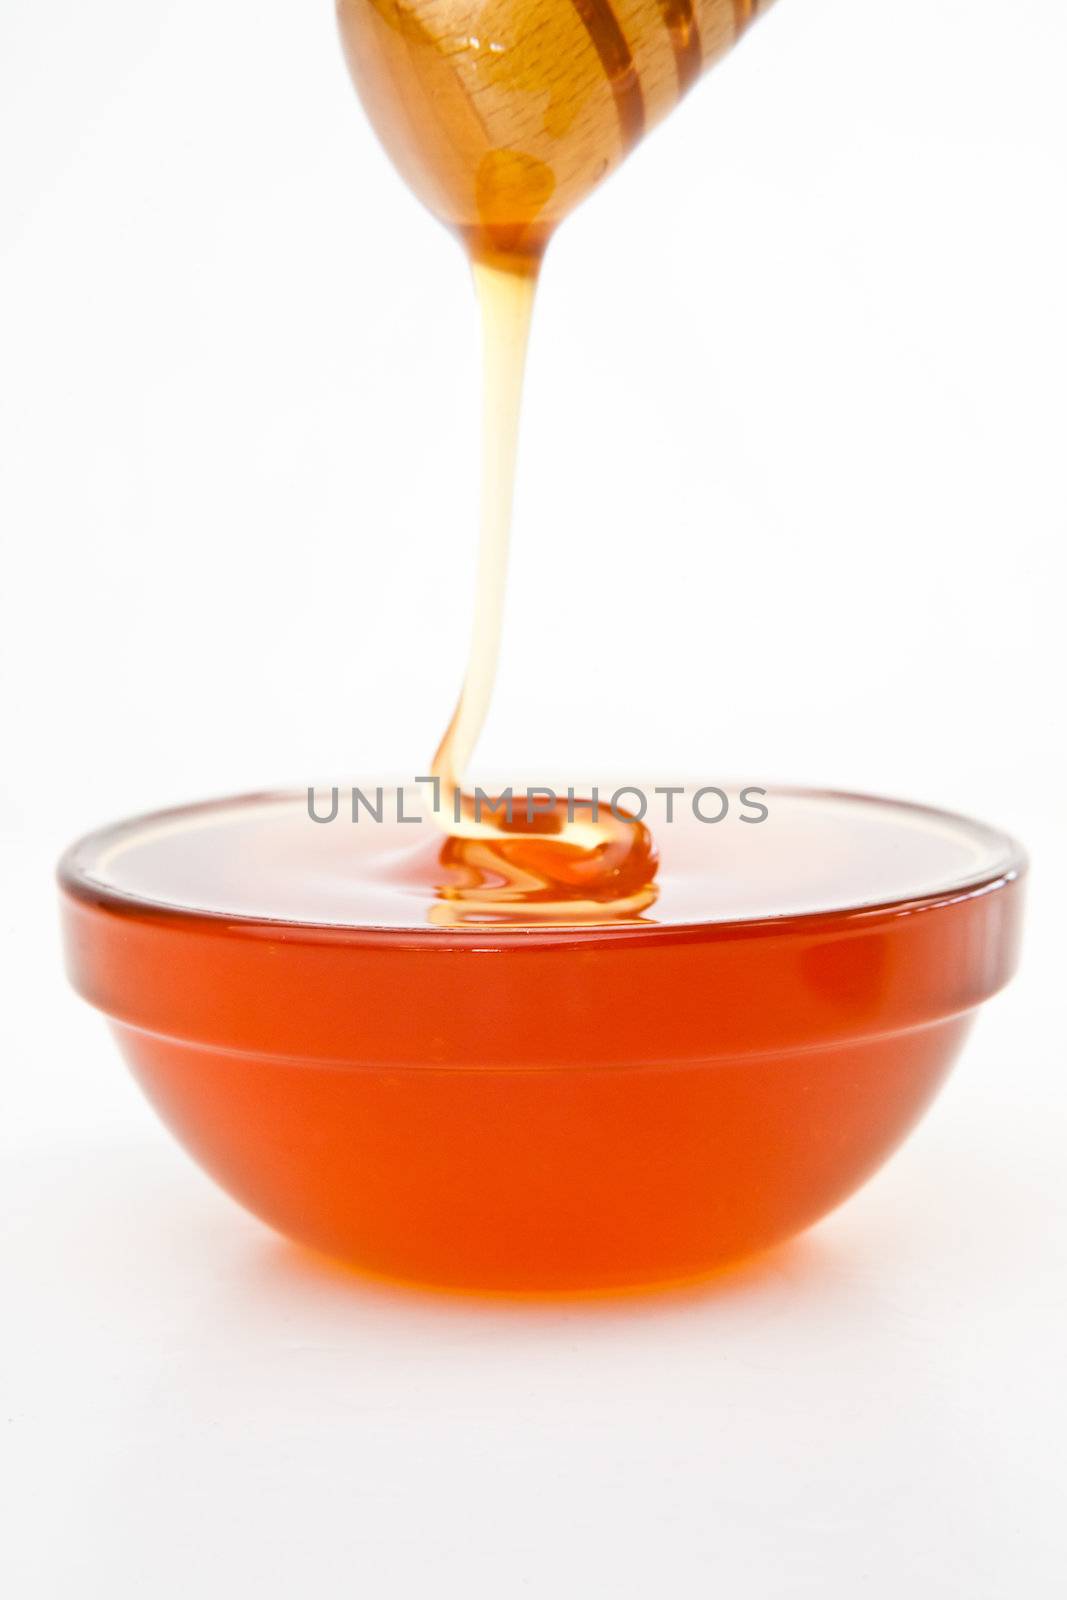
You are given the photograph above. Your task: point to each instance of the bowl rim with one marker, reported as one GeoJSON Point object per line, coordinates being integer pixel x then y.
{"type": "Point", "coordinates": [75, 880]}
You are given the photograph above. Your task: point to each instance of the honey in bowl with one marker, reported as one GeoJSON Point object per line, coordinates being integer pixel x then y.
{"type": "Point", "coordinates": [541, 1107]}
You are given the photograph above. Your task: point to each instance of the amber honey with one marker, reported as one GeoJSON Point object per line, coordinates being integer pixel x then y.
{"type": "Point", "coordinates": [541, 1108]}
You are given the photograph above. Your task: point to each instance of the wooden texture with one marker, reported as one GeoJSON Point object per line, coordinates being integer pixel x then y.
{"type": "Point", "coordinates": [502, 115]}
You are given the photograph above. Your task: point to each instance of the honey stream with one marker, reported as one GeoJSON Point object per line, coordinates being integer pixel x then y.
{"type": "Point", "coordinates": [502, 116]}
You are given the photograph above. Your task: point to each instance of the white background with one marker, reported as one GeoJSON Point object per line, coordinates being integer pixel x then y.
{"type": "Point", "coordinates": [791, 507]}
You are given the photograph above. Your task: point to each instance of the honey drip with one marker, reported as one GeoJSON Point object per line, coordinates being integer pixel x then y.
{"type": "Point", "coordinates": [502, 116]}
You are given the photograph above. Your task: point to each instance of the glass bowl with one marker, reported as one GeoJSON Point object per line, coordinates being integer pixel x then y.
{"type": "Point", "coordinates": [542, 1108]}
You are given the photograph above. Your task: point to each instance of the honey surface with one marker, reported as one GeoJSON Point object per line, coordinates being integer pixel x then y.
{"type": "Point", "coordinates": [812, 854]}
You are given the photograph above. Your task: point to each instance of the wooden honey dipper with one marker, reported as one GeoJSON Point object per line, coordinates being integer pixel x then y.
{"type": "Point", "coordinates": [503, 114]}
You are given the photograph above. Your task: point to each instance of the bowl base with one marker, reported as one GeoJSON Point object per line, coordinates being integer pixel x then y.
{"type": "Point", "coordinates": [594, 1179]}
